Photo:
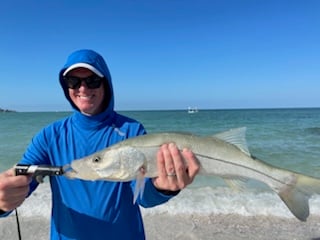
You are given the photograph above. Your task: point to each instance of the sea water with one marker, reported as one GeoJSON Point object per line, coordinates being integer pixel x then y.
{"type": "Point", "coordinates": [287, 138]}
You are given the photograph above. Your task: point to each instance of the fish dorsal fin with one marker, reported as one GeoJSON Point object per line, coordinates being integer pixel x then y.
{"type": "Point", "coordinates": [235, 136]}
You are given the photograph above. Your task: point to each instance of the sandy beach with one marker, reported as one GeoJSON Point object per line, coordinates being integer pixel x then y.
{"type": "Point", "coordinates": [230, 227]}
{"type": "Point", "coordinates": [158, 226]}
{"type": "Point", "coordinates": [189, 227]}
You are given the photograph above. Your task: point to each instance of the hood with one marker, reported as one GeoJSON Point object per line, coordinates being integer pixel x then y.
{"type": "Point", "coordinates": [93, 59]}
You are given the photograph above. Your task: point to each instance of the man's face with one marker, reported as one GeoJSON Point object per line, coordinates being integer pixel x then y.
{"type": "Point", "coordinates": [89, 101]}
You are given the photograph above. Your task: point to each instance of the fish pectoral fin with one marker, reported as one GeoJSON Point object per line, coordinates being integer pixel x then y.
{"type": "Point", "coordinates": [139, 187]}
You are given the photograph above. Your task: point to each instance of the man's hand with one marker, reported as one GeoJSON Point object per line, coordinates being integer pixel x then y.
{"type": "Point", "coordinates": [176, 169]}
{"type": "Point", "coordinates": [13, 189]}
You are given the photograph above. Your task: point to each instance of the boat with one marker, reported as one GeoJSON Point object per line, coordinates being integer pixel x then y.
{"type": "Point", "coordinates": [192, 110]}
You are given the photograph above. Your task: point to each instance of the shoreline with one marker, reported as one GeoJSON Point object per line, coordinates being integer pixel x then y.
{"type": "Point", "coordinates": [189, 227]}
{"type": "Point", "coordinates": [35, 224]}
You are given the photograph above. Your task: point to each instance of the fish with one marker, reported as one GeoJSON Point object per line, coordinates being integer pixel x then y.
{"type": "Point", "coordinates": [225, 155]}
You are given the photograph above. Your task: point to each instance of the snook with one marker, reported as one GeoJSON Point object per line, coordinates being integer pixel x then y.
{"type": "Point", "coordinates": [225, 155]}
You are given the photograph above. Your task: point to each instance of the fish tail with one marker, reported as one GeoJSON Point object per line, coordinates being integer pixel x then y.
{"type": "Point", "coordinates": [296, 195]}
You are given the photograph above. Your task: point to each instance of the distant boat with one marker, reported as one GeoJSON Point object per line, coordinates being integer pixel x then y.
{"type": "Point", "coordinates": [192, 110]}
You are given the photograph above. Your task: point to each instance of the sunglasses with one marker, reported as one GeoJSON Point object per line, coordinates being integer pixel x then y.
{"type": "Point", "coordinates": [92, 81]}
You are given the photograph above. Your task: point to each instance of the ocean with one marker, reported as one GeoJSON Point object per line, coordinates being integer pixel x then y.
{"type": "Point", "coordinates": [286, 138]}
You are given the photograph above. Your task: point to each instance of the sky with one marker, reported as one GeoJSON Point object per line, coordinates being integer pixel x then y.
{"type": "Point", "coordinates": [168, 54]}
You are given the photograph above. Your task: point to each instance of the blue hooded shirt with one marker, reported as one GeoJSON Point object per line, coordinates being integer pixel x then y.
{"type": "Point", "coordinates": [90, 209]}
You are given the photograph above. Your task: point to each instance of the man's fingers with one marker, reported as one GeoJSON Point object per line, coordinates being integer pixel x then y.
{"type": "Point", "coordinates": [176, 170]}
{"type": "Point", "coordinates": [160, 165]}
{"type": "Point", "coordinates": [168, 160]}
{"type": "Point", "coordinates": [9, 173]}
{"type": "Point", "coordinates": [192, 163]}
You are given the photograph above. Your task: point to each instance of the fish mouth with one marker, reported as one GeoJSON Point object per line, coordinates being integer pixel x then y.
{"type": "Point", "coordinates": [74, 171]}
{"type": "Point", "coordinates": [69, 172]}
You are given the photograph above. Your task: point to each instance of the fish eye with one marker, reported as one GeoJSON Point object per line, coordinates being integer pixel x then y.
{"type": "Point", "coordinates": [96, 159]}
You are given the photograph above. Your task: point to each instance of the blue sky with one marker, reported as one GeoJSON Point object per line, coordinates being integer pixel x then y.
{"type": "Point", "coordinates": [167, 54]}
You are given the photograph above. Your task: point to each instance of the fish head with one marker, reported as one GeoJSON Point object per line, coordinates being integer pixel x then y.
{"type": "Point", "coordinates": [112, 164]}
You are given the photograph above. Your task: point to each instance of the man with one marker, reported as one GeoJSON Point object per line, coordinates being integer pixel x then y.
{"type": "Point", "coordinates": [94, 209]}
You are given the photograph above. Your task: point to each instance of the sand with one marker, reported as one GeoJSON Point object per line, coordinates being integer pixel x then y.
{"type": "Point", "coordinates": [189, 227]}
{"type": "Point", "coordinates": [165, 226]}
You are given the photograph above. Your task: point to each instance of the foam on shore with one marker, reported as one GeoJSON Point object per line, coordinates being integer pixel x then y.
{"type": "Point", "coordinates": [202, 213]}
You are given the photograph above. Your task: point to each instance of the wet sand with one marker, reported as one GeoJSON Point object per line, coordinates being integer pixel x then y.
{"type": "Point", "coordinates": [189, 227]}
{"type": "Point", "coordinates": [230, 227]}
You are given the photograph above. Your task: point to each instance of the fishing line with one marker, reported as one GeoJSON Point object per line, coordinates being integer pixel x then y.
{"type": "Point", "coordinates": [18, 224]}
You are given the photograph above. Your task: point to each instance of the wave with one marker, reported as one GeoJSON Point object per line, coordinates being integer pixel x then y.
{"type": "Point", "coordinates": [222, 200]}
{"type": "Point", "coordinates": [201, 201]}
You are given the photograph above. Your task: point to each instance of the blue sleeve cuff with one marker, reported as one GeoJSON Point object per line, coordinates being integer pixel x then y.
{"type": "Point", "coordinates": [152, 196]}
{"type": "Point", "coordinates": [4, 214]}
